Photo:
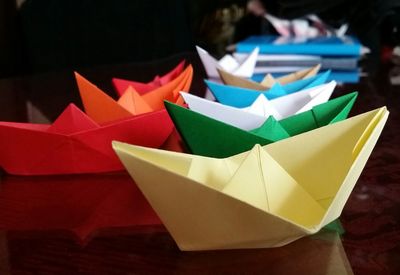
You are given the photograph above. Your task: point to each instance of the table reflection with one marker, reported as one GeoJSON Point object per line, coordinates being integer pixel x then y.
{"type": "Point", "coordinates": [153, 251]}
{"type": "Point", "coordinates": [79, 204]}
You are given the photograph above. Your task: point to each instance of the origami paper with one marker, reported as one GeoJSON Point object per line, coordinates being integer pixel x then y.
{"type": "Point", "coordinates": [241, 97]}
{"type": "Point", "coordinates": [288, 63]}
{"type": "Point", "coordinates": [102, 108]}
{"type": "Point", "coordinates": [75, 143]}
{"type": "Point", "coordinates": [322, 45]}
{"type": "Point", "coordinates": [279, 108]}
{"type": "Point", "coordinates": [121, 85]}
{"type": "Point", "coordinates": [206, 136]}
{"type": "Point", "coordinates": [266, 197]}
{"type": "Point", "coordinates": [240, 67]}
{"type": "Point", "coordinates": [84, 205]}
{"type": "Point", "coordinates": [268, 81]}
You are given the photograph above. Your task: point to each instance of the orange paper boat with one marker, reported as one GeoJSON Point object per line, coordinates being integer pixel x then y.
{"type": "Point", "coordinates": [121, 85]}
{"type": "Point", "coordinates": [75, 143]}
{"type": "Point", "coordinates": [102, 108]}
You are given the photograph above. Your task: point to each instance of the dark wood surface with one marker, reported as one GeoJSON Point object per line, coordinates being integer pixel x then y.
{"type": "Point", "coordinates": [48, 244]}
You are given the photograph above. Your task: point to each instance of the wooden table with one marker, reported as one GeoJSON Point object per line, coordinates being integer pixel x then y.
{"type": "Point", "coordinates": [371, 218]}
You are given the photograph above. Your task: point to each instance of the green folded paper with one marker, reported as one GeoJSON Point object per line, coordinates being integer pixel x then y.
{"type": "Point", "coordinates": [209, 137]}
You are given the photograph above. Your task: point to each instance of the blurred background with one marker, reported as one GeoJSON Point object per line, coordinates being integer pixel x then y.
{"type": "Point", "coordinates": [51, 35]}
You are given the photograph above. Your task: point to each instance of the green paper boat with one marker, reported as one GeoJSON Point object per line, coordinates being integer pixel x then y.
{"type": "Point", "coordinates": [209, 137]}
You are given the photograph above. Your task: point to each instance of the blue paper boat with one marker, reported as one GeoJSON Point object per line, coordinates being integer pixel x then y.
{"type": "Point", "coordinates": [241, 97]}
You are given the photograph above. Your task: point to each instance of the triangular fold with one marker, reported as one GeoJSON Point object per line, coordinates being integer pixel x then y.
{"type": "Point", "coordinates": [261, 182]}
{"type": "Point", "coordinates": [156, 97]}
{"type": "Point", "coordinates": [317, 95]}
{"type": "Point", "coordinates": [334, 110]}
{"type": "Point", "coordinates": [248, 183]}
{"type": "Point", "coordinates": [98, 105]}
{"type": "Point", "coordinates": [133, 102]}
{"type": "Point", "coordinates": [210, 63]}
{"type": "Point", "coordinates": [263, 107]}
{"type": "Point", "coordinates": [299, 123]}
{"type": "Point", "coordinates": [268, 81]}
{"type": "Point", "coordinates": [228, 63]}
{"type": "Point", "coordinates": [121, 85]}
{"type": "Point", "coordinates": [72, 120]}
{"type": "Point", "coordinates": [246, 68]}
{"type": "Point", "coordinates": [286, 198]}
{"type": "Point", "coordinates": [232, 80]}
{"type": "Point", "coordinates": [367, 132]}
{"type": "Point", "coordinates": [271, 130]}
{"type": "Point", "coordinates": [275, 91]}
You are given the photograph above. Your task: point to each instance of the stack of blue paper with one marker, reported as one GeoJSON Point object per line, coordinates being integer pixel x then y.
{"type": "Point", "coordinates": [282, 55]}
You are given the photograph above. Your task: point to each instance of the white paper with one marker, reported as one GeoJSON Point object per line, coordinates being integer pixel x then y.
{"type": "Point", "coordinates": [255, 115]}
{"type": "Point", "coordinates": [243, 66]}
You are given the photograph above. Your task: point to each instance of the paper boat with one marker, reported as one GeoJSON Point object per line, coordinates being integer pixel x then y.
{"type": "Point", "coordinates": [75, 143]}
{"type": "Point", "coordinates": [241, 67]}
{"type": "Point", "coordinates": [102, 108]}
{"type": "Point", "coordinates": [206, 136]}
{"type": "Point", "coordinates": [241, 97]}
{"type": "Point", "coordinates": [268, 81]}
{"type": "Point", "coordinates": [121, 85]}
{"type": "Point", "coordinates": [262, 107]}
{"type": "Point", "coordinates": [266, 197]}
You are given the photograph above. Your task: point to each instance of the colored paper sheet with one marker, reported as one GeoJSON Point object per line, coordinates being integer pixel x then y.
{"type": "Point", "coordinates": [121, 85]}
{"type": "Point", "coordinates": [266, 197]}
{"type": "Point", "coordinates": [262, 107]}
{"type": "Point", "coordinates": [268, 81]}
{"type": "Point", "coordinates": [75, 143]}
{"type": "Point", "coordinates": [85, 205]}
{"type": "Point", "coordinates": [206, 136]}
{"type": "Point", "coordinates": [103, 109]}
{"type": "Point", "coordinates": [324, 46]}
{"type": "Point", "coordinates": [241, 97]}
{"type": "Point", "coordinates": [237, 66]}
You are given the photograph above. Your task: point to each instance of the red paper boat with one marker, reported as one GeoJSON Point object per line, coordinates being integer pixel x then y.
{"type": "Point", "coordinates": [75, 144]}
{"type": "Point", "coordinates": [121, 85]}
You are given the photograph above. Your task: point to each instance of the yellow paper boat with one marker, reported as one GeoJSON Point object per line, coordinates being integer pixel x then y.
{"type": "Point", "coordinates": [266, 197]}
{"type": "Point", "coordinates": [268, 81]}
